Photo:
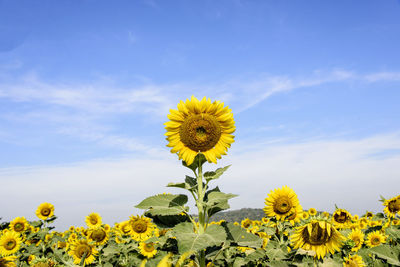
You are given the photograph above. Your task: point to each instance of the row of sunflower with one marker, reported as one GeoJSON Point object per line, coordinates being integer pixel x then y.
{"type": "Point", "coordinates": [290, 236]}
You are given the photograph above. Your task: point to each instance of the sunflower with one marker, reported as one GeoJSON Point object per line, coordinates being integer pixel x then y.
{"type": "Point", "coordinates": [319, 236]}
{"type": "Point", "coordinates": [124, 228]}
{"type": "Point", "coordinates": [392, 206]}
{"type": "Point", "coordinates": [19, 225]}
{"type": "Point", "coordinates": [246, 223]}
{"type": "Point", "coordinates": [10, 243]}
{"type": "Point", "coordinates": [147, 249]}
{"type": "Point", "coordinates": [80, 248]}
{"type": "Point", "coordinates": [8, 261]}
{"type": "Point", "coordinates": [374, 239]}
{"type": "Point", "coordinates": [200, 127]}
{"type": "Point", "coordinates": [296, 215]}
{"type": "Point", "coordinates": [353, 261]}
{"type": "Point", "coordinates": [98, 235]}
{"type": "Point", "coordinates": [93, 220]}
{"type": "Point", "coordinates": [341, 218]}
{"type": "Point", "coordinates": [141, 227]}
{"type": "Point", "coordinates": [45, 211]}
{"type": "Point", "coordinates": [358, 237]}
{"type": "Point", "coordinates": [312, 211]}
{"type": "Point", "coordinates": [281, 202]}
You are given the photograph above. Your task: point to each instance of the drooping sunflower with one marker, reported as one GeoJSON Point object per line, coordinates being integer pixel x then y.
{"type": "Point", "coordinates": [200, 127]}
{"type": "Point", "coordinates": [353, 261]}
{"type": "Point", "coordinates": [81, 247]}
{"type": "Point", "coordinates": [375, 238]}
{"type": "Point", "coordinates": [392, 206]}
{"type": "Point", "coordinates": [341, 218]}
{"type": "Point", "coordinates": [358, 237]}
{"type": "Point", "coordinates": [141, 228]}
{"type": "Point", "coordinates": [281, 202]}
{"type": "Point", "coordinates": [319, 236]}
{"type": "Point", "coordinates": [8, 261]}
{"type": "Point", "coordinates": [10, 243]}
{"type": "Point", "coordinates": [19, 225]}
{"type": "Point", "coordinates": [93, 220]}
{"type": "Point", "coordinates": [98, 235]}
{"type": "Point", "coordinates": [45, 211]}
{"type": "Point", "coordinates": [147, 249]}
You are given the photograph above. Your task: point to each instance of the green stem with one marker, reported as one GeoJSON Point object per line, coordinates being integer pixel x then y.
{"type": "Point", "coordinates": [200, 199]}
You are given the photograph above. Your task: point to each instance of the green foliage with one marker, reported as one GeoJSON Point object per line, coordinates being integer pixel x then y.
{"type": "Point", "coordinates": [164, 204]}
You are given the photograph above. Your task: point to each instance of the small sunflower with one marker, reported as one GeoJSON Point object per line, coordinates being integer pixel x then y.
{"type": "Point", "coordinates": [200, 127]}
{"type": "Point", "coordinates": [93, 220]}
{"type": "Point", "coordinates": [341, 218]}
{"type": "Point", "coordinates": [141, 228]}
{"type": "Point", "coordinates": [19, 225]}
{"type": "Point", "coordinates": [124, 228]}
{"type": "Point", "coordinates": [147, 249]}
{"type": "Point", "coordinates": [296, 215]}
{"type": "Point", "coordinates": [80, 248]}
{"type": "Point", "coordinates": [10, 243]}
{"type": "Point", "coordinates": [358, 237]}
{"type": "Point", "coordinates": [353, 261]}
{"type": "Point", "coordinates": [281, 202]}
{"type": "Point", "coordinates": [319, 236]}
{"type": "Point", "coordinates": [375, 238]}
{"type": "Point", "coordinates": [98, 235]}
{"type": "Point", "coordinates": [312, 211]}
{"type": "Point", "coordinates": [246, 223]}
{"type": "Point", "coordinates": [392, 206]}
{"type": "Point", "coordinates": [45, 211]}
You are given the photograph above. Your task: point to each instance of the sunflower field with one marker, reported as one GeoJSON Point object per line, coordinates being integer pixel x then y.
{"type": "Point", "coordinates": [167, 234]}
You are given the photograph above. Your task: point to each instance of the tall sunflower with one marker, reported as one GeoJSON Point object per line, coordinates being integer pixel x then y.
{"type": "Point", "coordinates": [141, 228]}
{"type": "Point", "coordinates": [45, 211]}
{"type": "Point", "coordinates": [375, 238]}
{"type": "Point", "coordinates": [200, 127]}
{"type": "Point", "coordinates": [80, 248]}
{"type": "Point", "coordinates": [319, 236]}
{"type": "Point", "coordinates": [10, 243]}
{"type": "Point", "coordinates": [392, 206]}
{"type": "Point", "coordinates": [358, 237]}
{"type": "Point", "coordinates": [281, 203]}
{"type": "Point", "coordinates": [19, 225]}
{"type": "Point", "coordinates": [93, 220]}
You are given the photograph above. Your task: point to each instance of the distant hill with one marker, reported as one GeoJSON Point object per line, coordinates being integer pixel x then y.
{"type": "Point", "coordinates": [238, 215]}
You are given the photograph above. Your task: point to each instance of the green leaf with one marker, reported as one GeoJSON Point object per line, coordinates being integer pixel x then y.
{"type": "Point", "coordinates": [386, 252]}
{"type": "Point", "coordinates": [167, 221]}
{"type": "Point", "coordinates": [215, 175]}
{"type": "Point", "coordinates": [167, 204]}
{"type": "Point", "coordinates": [188, 240]}
{"type": "Point", "coordinates": [275, 252]}
{"type": "Point", "coordinates": [189, 184]}
{"type": "Point", "coordinates": [237, 235]}
{"type": "Point", "coordinates": [110, 250]}
{"type": "Point", "coordinates": [218, 197]}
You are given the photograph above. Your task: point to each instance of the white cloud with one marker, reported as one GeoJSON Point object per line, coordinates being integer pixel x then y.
{"type": "Point", "coordinates": [323, 173]}
{"type": "Point", "coordinates": [382, 76]}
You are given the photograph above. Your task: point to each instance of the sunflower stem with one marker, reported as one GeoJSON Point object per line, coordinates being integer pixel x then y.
{"type": "Point", "coordinates": [200, 199]}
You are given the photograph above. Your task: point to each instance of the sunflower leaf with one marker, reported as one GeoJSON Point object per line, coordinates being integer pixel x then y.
{"type": "Point", "coordinates": [167, 204]}
{"type": "Point", "coordinates": [239, 236]}
{"type": "Point", "coordinates": [188, 240]}
{"type": "Point", "coordinates": [199, 160]}
{"type": "Point", "coordinates": [215, 175]}
{"type": "Point", "coordinates": [386, 252]}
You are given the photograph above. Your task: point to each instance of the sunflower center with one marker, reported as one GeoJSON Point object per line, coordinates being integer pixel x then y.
{"type": "Point", "coordinates": [200, 132]}
{"type": "Point", "coordinates": [282, 205]}
{"type": "Point", "coordinates": [319, 236]}
{"type": "Point", "coordinates": [394, 206]}
{"type": "Point", "coordinates": [149, 247]}
{"type": "Point", "coordinates": [375, 241]}
{"type": "Point", "coordinates": [93, 220]}
{"type": "Point", "coordinates": [139, 226]}
{"type": "Point", "coordinates": [10, 244]}
{"type": "Point", "coordinates": [341, 217]}
{"type": "Point", "coordinates": [83, 249]}
{"type": "Point", "coordinates": [45, 211]}
{"type": "Point", "coordinates": [18, 227]}
{"type": "Point", "coordinates": [98, 235]}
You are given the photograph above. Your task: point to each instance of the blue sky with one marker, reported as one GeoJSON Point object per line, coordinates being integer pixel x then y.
{"type": "Point", "coordinates": [85, 87]}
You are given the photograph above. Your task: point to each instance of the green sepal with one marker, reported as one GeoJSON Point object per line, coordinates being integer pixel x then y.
{"type": "Point", "coordinates": [188, 240]}
{"type": "Point", "coordinates": [216, 174]}
{"type": "Point", "coordinates": [167, 204]}
{"type": "Point", "coordinates": [199, 160]}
